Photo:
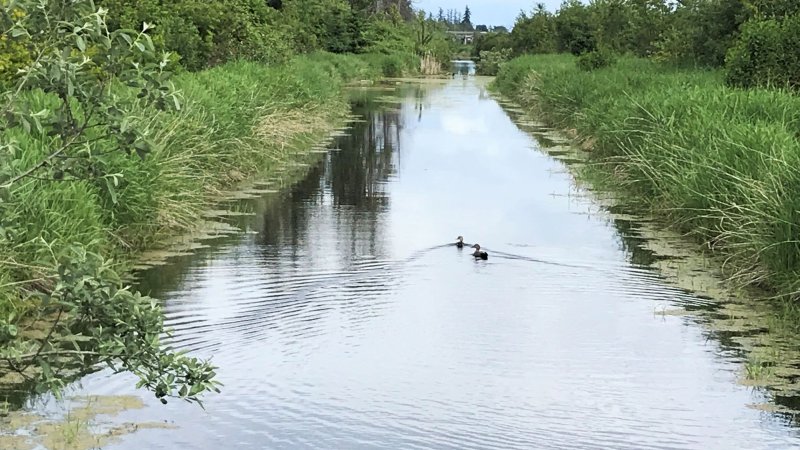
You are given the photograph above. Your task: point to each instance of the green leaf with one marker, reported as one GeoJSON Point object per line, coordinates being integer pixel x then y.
{"type": "Point", "coordinates": [142, 148]}
{"type": "Point", "coordinates": [80, 43]}
{"type": "Point", "coordinates": [25, 124]}
{"type": "Point", "coordinates": [111, 189]}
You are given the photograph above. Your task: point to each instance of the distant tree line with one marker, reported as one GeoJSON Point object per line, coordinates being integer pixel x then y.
{"type": "Point", "coordinates": [755, 40]}
{"type": "Point", "coordinates": [205, 33]}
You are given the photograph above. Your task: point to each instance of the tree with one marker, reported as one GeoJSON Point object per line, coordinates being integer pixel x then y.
{"type": "Point", "coordinates": [492, 42]}
{"type": "Point", "coordinates": [648, 19]}
{"type": "Point", "coordinates": [573, 28]}
{"type": "Point", "coordinates": [534, 34]}
{"type": "Point", "coordinates": [466, 22]}
{"type": "Point", "coordinates": [702, 31]}
{"type": "Point", "coordinates": [81, 94]}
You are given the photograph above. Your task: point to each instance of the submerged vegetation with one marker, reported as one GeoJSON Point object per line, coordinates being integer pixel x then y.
{"type": "Point", "coordinates": [655, 92]}
{"type": "Point", "coordinates": [122, 119]}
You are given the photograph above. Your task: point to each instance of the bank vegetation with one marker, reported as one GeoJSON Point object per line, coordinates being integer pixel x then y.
{"type": "Point", "coordinates": [690, 108]}
{"type": "Point", "coordinates": [122, 119]}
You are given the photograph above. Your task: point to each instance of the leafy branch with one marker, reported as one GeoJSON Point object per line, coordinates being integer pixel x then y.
{"type": "Point", "coordinates": [80, 95]}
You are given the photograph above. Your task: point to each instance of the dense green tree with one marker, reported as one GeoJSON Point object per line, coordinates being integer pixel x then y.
{"type": "Point", "coordinates": [573, 28]}
{"type": "Point", "coordinates": [766, 54]}
{"type": "Point", "coordinates": [773, 9]}
{"type": "Point", "coordinates": [648, 20]}
{"type": "Point", "coordinates": [534, 33]}
{"type": "Point", "coordinates": [491, 42]}
{"type": "Point", "coordinates": [757, 40]}
{"type": "Point", "coordinates": [466, 21]}
{"type": "Point", "coordinates": [702, 31]}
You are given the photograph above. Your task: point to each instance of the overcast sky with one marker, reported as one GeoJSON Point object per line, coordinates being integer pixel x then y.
{"type": "Point", "coordinates": [487, 12]}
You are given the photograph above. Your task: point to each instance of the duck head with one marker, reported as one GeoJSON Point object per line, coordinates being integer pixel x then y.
{"type": "Point", "coordinates": [460, 239]}
{"type": "Point", "coordinates": [476, 247]}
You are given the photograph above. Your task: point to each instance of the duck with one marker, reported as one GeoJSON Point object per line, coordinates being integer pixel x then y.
{"type": "Point", "coordinates": [460, 242]}
{"type": "Point", "coordinates": [478, 253]}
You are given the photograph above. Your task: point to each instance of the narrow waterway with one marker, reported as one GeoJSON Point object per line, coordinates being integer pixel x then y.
{"type": "Point", "coordinates": [342, 317]}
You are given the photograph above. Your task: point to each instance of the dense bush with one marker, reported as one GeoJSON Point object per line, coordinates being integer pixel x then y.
{"type": "Point", "coordinates": [595, 60]}
{"type": "Point", "coordinates": [15, 51]}
{"type": "Point", "coordinates": [766, 54]}
{"type": "Point", "coordinates": [491, 61]}
{"type": "Point", "coordinates": [204, 34]}
{"type": "Point", "coordinates": [689, 32]}
{"type": "Point", "coordinates": [491, 41]}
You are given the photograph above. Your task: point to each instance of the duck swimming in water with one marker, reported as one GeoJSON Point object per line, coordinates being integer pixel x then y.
{"type": "Point", "coordinates": [478, 253]}
{"type": "Point", "coordinates": [460, 241]}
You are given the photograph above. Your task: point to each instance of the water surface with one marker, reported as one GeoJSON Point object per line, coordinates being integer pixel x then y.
{"type": "Point", "coordinates": [342, 318]}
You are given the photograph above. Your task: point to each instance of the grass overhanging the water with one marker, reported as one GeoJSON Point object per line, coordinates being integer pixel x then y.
{"type": "Point", "coordinates": [719, 164]}
{"type": "Point", "coordinates": [236, 120]}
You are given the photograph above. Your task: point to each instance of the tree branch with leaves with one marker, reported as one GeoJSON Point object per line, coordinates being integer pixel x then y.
{"type": "Point", "coordinates": [82, 93]}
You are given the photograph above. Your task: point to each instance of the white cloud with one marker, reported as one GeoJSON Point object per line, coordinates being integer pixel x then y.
{"type": "Point", "coordinates": [462, 125]}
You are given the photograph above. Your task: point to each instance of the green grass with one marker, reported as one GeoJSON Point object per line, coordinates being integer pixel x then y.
{"type": "Point", "coordinates": [758, 370]}
{"type": "Point", "coordinates": [237, 120]}
{"type": "Point", "coordinates": [720, 164]}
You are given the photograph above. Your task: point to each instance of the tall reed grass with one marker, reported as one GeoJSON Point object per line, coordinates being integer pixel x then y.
{"type": "Point", "coordinates": [237, 119]}
{"type": "Point", "coordinates": [720, 164]}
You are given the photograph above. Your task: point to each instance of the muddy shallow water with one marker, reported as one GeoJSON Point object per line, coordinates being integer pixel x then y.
{"type": "Point", "coordinates": [341, 318]}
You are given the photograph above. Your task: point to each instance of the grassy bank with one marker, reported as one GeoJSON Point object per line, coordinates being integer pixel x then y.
{"type": "Point", "coordinates": [236, 120]}
{"type": "Point", "coordinates": [720, 164]}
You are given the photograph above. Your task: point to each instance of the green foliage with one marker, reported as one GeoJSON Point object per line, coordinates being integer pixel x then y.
{"type": "Point", "coordinates": [595, 60]}
{"type": "Point", "coordinates": [773, 9]}
{"type": "Point", "coordinates": [347, 67]}
{"type": "Point", "coordinates": [393, 65]}
{"type": "Point", "coordinates": [491, 41]}
{"type": "Point", "coordinates": [15, 51]}
{"type": "Point", "coordinates": [64, 122]}
{"type": "Point", "coordinates": [430, 40]}
{"type": "Point", "coordinates": [324, 24]}
{"type": "Point", "coordinates": [719, 164]}
{"type": "Point", "coordinates": [702, 31]}
{"type": "Point", "coordinates": [383, 36]}
{"type": "Point", "coordinates": [100, 154]}
{"type": "Point", "coordinates": [766, 54]}
{"type": "Point", "coordinates": [697, 32]}
{"type": "Point", "coordinates": [491, 61]}
{"type": "Point", "coordinates": [573, 27]}
{"type": "Point", "coordinates": [535, 33]}
{"type": "Point", "coordinates": [235, 120]}
{"type": "Point", "coordinates": [80, 117]}
{"type": "Point", "coordinates": [205, 33]}
{"type": "Point", "coordinates": [98, 321]}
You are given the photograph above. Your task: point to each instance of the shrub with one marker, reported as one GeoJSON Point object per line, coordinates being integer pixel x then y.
{"type": "Point", "coordinates": [595, 60]}
{"type": "Point", "coordinates": [766, 54]}
{"type": "Point", "coordinates": [491, 61]}
{"type": "Point", "coordinates": [14, 51]}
